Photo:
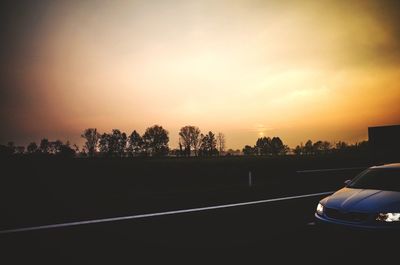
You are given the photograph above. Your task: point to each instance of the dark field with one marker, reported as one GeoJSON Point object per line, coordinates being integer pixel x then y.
{"type": "Point", "coordinates": [41, 191]}
{"type": "Point", "coordinates": [48, 191]}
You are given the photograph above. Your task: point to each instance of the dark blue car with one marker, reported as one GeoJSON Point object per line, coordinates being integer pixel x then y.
{"type": "Point", "coordinates": [371, 200]}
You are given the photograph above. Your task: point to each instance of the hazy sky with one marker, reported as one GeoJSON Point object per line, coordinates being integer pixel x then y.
{"type": "Point", "coordinates": [295, 69]}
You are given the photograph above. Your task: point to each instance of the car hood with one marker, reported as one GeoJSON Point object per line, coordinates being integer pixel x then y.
{"type": "Point", "coordinates": [364, 200]}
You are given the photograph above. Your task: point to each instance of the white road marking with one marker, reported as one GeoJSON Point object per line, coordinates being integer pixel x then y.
{"type": "Point", "coordinates": [139, 216]}
{"type": "Point", "coordinates": [329, 169]}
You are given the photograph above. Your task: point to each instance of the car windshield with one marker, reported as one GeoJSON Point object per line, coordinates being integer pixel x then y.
{"type": "Point", "coordinates": [378, 179]}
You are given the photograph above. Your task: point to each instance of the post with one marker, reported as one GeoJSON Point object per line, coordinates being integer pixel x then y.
{"type": "Point", "coordinates": [250, 180]}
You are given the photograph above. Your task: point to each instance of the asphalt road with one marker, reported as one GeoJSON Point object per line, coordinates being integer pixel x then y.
{"type": "Point", "coordinates": [275, 231]}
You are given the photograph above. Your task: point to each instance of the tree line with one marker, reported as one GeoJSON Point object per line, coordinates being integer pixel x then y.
{"type": "Point", "coordinates": [45, 147]}
{"type": "Point", "coordinates": [154, 142]}
{"type": "Point", "coordinates": [275, 146]}
{"type": "Point", "coordinates": [267, 146]}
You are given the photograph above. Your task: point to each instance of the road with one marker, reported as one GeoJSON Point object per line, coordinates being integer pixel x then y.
{"type": "Point", "coordinates": [278, 231]}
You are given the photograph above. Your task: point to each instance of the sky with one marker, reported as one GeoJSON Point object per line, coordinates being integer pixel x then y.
{"type": "Point", "coordinates": [319, 70]}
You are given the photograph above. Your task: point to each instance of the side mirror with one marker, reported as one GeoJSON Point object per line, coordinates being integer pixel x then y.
{"type": "Point", "coordinates": [347, 182]}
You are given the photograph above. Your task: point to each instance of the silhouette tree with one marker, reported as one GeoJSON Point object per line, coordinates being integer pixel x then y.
{"type": "Point", "coordinates": [248, 150]}
{"type": "Point", "coordinates": [221, 142]}
{"type": "Point", "coordinates": [263, 146]}
{"type": "Point", "coordinates": [135, 144]}
{"type": "Point", "coordinates": [44, 146]}
{"type": "Point", "coordinates": [341, 146]}
{"type": "Point", "coordinates": [55, 147]}
{"type": "Point", "coordinates": [92, 138]}
{"type": "Point", "coordinates": [299, 150]}
{"type": "Point", "coordinates": [66, 151]}
{"type": "Point", "coordinates": [267, 146]}
{"type": "Point", "coordinates": [20, 150]}
{"type": "Point", "coordinates": [231, 152]}
{"type": "Point", "coordinates": [11, 146]}
{"type": "Point", "coordinates": [76, 149]}
{"type": "Point", "coordinates": [118, 143]}
{"type": "Point", "coordinates": [190, 139]}
{"type": "Point", "coordinates": [362, 146]}
{"type": "Point", "coordinates": [317, 147]}
{"type": "Point", "coordinates": [7, 150]}
{"type": "Point", "coordinates": [104, 144]}
{"type": "Point", "coordinates": [113, 144]}
{"type": "Point", "coordinates": [32, 148]}
{"type": "Point", "coordinates": [308, 148]}
{"type": "Point", "coordinates": [326, 146]}
{"type": "Point", "coordinates": [321, 147]}
{"type": "Point", "coordinates": [181, 152]}
{"type": "Point", "coordinates": [174, 152]}
{"type": "Point", "coordinates": [156, 141]}
{"type": "Point", "coordinates": [208, 145]}
{"type": "Point", "coordinates": [277, 146]}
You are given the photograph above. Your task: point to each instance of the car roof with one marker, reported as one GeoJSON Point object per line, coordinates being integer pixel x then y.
{"type": "Point", "coordinates": [393, 165]}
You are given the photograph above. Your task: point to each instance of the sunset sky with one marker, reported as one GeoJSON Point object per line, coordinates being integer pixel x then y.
{"type": "Point", "coordinates": [295, 69]}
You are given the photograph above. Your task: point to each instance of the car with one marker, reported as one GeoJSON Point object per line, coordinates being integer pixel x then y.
{"type": "Point", "coordinates": [369, 201]}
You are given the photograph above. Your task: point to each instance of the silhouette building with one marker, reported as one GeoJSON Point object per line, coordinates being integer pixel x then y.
{"type": "Point", "coordinates": [384, 142]}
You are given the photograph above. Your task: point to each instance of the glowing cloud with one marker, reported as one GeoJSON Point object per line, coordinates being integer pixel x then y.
{"type": "Point", "coordinates": [297, 69]}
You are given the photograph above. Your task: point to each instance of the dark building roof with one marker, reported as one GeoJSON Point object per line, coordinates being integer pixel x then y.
{"type": "Point", "coordinates": [384, 142]}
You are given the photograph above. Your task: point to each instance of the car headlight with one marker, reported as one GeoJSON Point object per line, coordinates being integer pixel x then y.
{"type": "Point", "coordinates": [388, 217]}
{"type": "Point", "coordinates": [320, 209]}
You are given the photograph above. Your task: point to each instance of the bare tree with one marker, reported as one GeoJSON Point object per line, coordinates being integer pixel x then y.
{"type": "Point", "coordinates": [92, 138]}
{"type": "Point", "coordinates": [190, 139]}
{"type": "Point", "coordinates": [221, 143]}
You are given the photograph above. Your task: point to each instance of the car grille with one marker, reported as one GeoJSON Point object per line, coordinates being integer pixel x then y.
{"type": "Point", "coordinates": [346, 216]}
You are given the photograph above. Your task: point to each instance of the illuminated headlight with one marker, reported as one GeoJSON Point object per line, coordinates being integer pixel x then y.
{"type": "Point", "coordinates": [320, 209]}
{"type": "Point", "coordinates": [388, 217]}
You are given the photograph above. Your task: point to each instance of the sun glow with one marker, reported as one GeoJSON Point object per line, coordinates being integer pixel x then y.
{"type": "Point", "coordinates": [298, 70]}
